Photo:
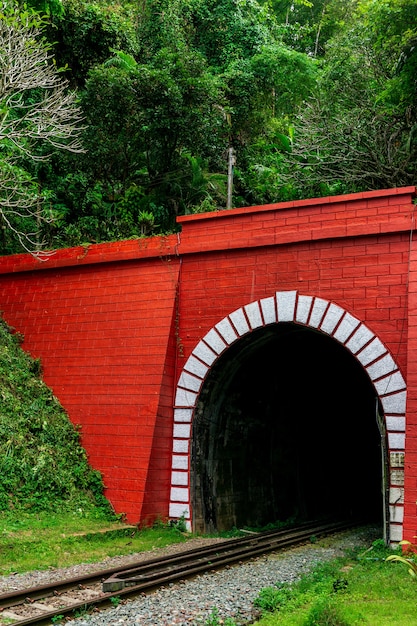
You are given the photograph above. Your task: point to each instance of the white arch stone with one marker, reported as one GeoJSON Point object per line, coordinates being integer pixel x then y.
{"type": "Point", "coordinates": [313, 312]}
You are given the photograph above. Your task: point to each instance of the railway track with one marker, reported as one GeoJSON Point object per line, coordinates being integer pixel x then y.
{"type": "Point", "coordinates": [67, 598]}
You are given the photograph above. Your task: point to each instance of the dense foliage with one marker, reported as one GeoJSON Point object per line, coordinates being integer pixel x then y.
{"type": "Point", "coordinates": [43, 466]}
{"type": "Point", "coordinates": [315, 97]}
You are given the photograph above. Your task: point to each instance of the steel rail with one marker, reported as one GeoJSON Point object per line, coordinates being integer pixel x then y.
{"type": "Point", "coordinates": [212, 557]}
{"type": "Point", "coordinates": [150, 574]}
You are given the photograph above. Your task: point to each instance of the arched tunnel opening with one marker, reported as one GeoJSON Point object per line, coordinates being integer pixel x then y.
{"type": "Point", "coordinates": [286, 429]}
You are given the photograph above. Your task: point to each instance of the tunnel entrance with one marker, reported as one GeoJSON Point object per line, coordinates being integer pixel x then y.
{"type": "Point", "coordinates": [285, 428]}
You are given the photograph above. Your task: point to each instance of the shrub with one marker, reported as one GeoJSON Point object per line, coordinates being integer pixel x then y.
{"type": "Point", "coordinates": [325, 612]}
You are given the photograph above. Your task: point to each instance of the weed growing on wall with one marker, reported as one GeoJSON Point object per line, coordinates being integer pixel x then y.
{"type": "Point", "coordinates": [42, 464]}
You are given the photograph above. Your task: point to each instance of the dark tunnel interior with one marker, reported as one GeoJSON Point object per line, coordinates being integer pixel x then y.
{"type": "Point", "coordinates": [285, 429]}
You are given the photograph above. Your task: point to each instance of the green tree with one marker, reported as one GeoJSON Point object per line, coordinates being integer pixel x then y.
{"type": "Point", "coordinates": [85, 33]}
{"type": "Point", "coordinates": [359, 130]}
{"type": "Point", "coordinates": [278, 81]}
{"type": "Point", "coordinates": [307, 25]}
{"type": "Point", "coordinates": [391, 30]}
{"type": "Point", "coordinates": [227, 30]}
{"type": "Point", "coordinates": [45, 7]}
{"type": "Point", "coordinates": [264, 94]}
{"type": "Point", "coordinates": [162, 24]}
{"type": "Point", "coordinates": [148, 126]}
{"type": "Point", "coordinates": [206, 74]}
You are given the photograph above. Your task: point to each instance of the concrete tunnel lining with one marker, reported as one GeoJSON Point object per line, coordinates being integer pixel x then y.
{"type": "Point", "coordinates": [315, 314]}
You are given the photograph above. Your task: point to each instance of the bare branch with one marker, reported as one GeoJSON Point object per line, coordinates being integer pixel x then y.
{"type": "Point", "coordinates": [38, 115]}
{"type": "Point", "coordinates": [360, 145]}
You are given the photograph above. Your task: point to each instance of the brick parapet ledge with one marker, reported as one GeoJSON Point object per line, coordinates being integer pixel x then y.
{"type": "Point", "coordinates": [332, 217]}
{"type": "Point", "coordinates": [91, 254]}
{"type": "Point", "coordinates": [350, 215]}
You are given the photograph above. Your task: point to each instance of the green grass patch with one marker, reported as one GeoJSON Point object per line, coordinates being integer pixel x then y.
{"type": "Point", "coordinates": [49, 540]}
{"type": "Point", "coordinates": [362, 589]}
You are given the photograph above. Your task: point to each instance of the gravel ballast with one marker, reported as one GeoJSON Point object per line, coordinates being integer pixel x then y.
{"type": "Point", "coordinates": [230, 592]}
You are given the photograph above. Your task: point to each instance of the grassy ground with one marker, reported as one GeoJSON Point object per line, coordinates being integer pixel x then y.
{"type": "Point", "coordinates": [361, 590]}
{"type": "Point", "coordinates": [57, 540]}
{"type": "Point", "coordinates": [44, 469]}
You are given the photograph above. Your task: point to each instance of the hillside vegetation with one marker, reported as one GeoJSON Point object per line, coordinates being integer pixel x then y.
{"type": "Point", "coordinates": [314, 97]}
{"type": "Point", "coordinates": [42, 464]}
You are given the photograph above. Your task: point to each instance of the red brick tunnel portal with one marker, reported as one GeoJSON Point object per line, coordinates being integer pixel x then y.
{"type": "Point", "coordinates": [232, 374]}
{"type": "Point", "coordinates": [285, 428]}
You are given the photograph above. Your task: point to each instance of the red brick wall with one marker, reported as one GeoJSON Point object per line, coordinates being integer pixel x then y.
{"type": "Point", "coordinates": [113, 339]}
{"type": "Point", "coordinates": [103, 333]}
{"type": "Point", "coordinates": [343, 271]}
{"type": "Point", "coordinates": [352, 250]}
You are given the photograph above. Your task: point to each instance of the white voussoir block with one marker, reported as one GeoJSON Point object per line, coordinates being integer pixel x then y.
{"type": "Point", "coordinates": [396, 441]}
{"type": "Point", "coordinates": [254, 316]}
{"type": "Point", "coordinates": [360, 337]}
{"type": "Point", "coordinates": [196, 367]}
{"type": "Point", "coordinates": [179, 462]}
{"type": "Point", "coordinates": [389, 384]}
{"type": "Point", "coordinates": [333, 316]}
{"type": "Point", "coordinates": [303, 309]}
{"type": "Point", "coordinates": [395, 423]}
{"type": "Point", "coordinates": [179, 478]}
{"type": "Point", "coordinates": [396, 514]}
{"type": "Point", "coordinates": [179, 494]}
{"type": "Point", "coordinates": [380, 368]}
{"type": "Point", "coordinates": [286, 305]}
{"type": "Point", "coordinates": [396, 495]}
{"type": "Point", "coordinates": [227, 331]}
{"type": "Point", "coordinates": [179, 510]}
{"type": "Point", "coordinates": [188, 381]}
{"type": "Point", "coordinates": [183, 397]}
{"type": "Point", "coordinates": [180, 446]}
{"type": "Point", "coordinates": [397, 477]}
{"type": "Point", "coordinates": [395, 404]}
{"type": "Point", "coordinates": [215, 342]}
{"type": "Point", "coordinates": [372, 352]}
{"type": "Point", "coordinates": [183, 415]}
{"type": "Point", "coordinates": [395, 533]}
{"type": "Point", "coordinates": [346, 328]}
{"type": "Point", "coordinates": [268, 310]}
{"type": "Point", "coordinates": [319, 308]}
{"type": "Point", "coordinates": [204, 353]}
{"type": "Point", "coordinates": [239, 322]}
{"type": "Point", "coordinates": [182, 431]}
{"type": "Point", "coordinates": [396, 459]}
